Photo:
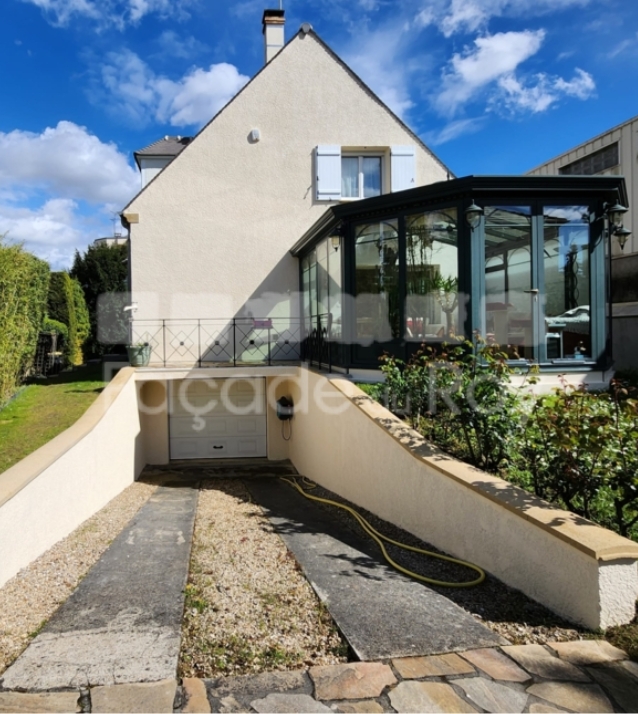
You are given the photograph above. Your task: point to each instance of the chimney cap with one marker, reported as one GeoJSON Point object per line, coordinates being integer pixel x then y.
{"type": "Point", "coordinates": [275, 17]}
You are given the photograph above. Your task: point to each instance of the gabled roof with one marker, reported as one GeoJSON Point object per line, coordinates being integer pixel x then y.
{"type": "Point", "coordinates": [165, 147]}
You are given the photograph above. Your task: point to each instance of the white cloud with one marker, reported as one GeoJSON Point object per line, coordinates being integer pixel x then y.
{"type": "Point", "coordinates": [133, 89]}
{"type": "Point", "coordinates": [542, 94]}
{"type": "Point", "coordinates": [59, 189]}
{"type": "Point", "coordinates": [376, 56]}
{"type": "Point", "coordinates": [456, 16]}
{"type": "Point", "coordinates": [173, 45]}
{"type": "Point", "coordinates": [489, 69]}
{"type": "Point", "coordinates": [492, 57]}
{"type": "Point", "coordinates": [52, 231]}
{"type": "Point", "coordinates": [118, 13]}
{"type": "Point", "coordinates": [69, 162]}
{"type": "Point", "coordinates": [453, 130]}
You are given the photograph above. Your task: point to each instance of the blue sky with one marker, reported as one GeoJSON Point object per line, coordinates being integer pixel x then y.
{"type": "Point", "coordinates": [492, 86]}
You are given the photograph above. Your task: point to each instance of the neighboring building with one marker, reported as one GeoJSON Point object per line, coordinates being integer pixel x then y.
{"type": "Point", "coordinates": [613, 153]}
{"type": "Point", "coordinates": [110, 241]}
{"type": "Point", "coordinates": [306, 221]}
{"type": "Point", "coordinates": [152, 159]}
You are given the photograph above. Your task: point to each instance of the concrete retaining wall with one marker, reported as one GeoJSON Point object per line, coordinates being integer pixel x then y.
{"type": "Point", "coordinates": [362, 452]}
{"type": "Point", "coordinates": [52, 491]}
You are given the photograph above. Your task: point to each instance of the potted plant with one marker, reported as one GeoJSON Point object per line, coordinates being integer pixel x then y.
{"type": "Point", "coordinates": [139, 355]}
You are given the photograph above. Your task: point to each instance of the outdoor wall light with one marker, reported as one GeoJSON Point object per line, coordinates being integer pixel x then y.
{"type": "Point", "coordinates": [622, 234]}
{"type": "Point", "coordinates": [615, 214]}
{"type": "Point", "coordinates": [335, 242]}
{"type": "Point", "coordinates": [473, 215]}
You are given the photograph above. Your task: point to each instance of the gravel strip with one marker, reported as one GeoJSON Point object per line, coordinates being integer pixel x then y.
{"type": "Point", "coordinates": [248, 607]}
{"type": "Point", "coordinates": [29, 599]}
{"type": "Point", "coordinates": [504, 610]}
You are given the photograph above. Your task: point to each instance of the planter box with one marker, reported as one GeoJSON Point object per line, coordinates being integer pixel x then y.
{"type": "Point", "coordinates": [139, 355]}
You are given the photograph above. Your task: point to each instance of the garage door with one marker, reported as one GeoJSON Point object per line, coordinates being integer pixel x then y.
{"type": "Point", "coordinates": [218, 419]}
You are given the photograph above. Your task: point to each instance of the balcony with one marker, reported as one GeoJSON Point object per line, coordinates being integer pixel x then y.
{"type": "Point", "coordinates": [220, 342]}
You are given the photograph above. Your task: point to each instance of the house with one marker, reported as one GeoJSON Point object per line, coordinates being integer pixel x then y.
{"type": "Point", "coordinates": [306, 221]}
{"type": "Point", "coordinates": [153, 158]}
{"type": "Point", "coordinates": [613, 153]}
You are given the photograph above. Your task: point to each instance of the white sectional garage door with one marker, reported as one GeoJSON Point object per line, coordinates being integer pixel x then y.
{"type": "Point", "coordinates": [218, 419]}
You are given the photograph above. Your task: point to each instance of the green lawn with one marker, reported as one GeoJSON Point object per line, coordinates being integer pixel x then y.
{"type": "Point", "coordinates": [45, 408]}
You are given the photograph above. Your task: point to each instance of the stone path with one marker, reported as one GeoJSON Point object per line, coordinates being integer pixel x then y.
{"type": "Point", "coordinates": [381, 613]}
{"type": "Point", "coordinates": [123, 622]}
{"type": "Point", "coordinates": [584, 676]}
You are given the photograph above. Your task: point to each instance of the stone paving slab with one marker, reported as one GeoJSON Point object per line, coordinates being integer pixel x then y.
{"type": "Point", "coordinates": [380, 612]}
{"type": "Point", "coordinates": [195, 695]}
{"type": "Point", "coordinates": [288, 704]}
{"type": "Point", "coordinates": [496, 665]}
{"type": "Point", "coordinates": [584, 652]}
{"type": "Point", "coordinates": [123, 622]}
{"type": "Point", "coordinates": [357, 680]}
{"type": "Point", "coordinates": [539, 661]}
{"type": "Point", "coordinates": [147, 698]}
{"type": "Point", "coordinates": [573, 697]}
{"type": "Point", "coordinates": [415, 696]}
{"type": "Point", "coordinates": [235, 694]}
{"type": "Point", "coordinates": [619, 682]}
{"type": "Point", "coordinates": [29, 703]}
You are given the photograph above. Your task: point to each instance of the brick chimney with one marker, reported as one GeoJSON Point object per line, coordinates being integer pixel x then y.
{"type": "Point", "coordinates": [273, 24]}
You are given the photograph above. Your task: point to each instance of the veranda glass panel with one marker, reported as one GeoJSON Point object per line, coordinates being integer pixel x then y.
{"type": "Point", "coordinates": [377, 282]}
{"type": "Point", "coordinates": [350, 176]}
{"type": "Point", "coordinates": [335, 287]}
{"type": "Point", "coordinates": [322, 281]}
{"type": "Point", "coordinates": [312, 283]}
{"type": "Point", "coordinates": [432, 299]}
{"type": "Point", "coordinates": [566, 251]}
{"type": "Point", "coordinates": [305, 288]}
{"type": "Point", "coordinates": [509, 299]}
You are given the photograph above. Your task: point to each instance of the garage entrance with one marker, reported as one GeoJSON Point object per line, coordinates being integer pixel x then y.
{"type": "Point", "coordinates": [217, 419]}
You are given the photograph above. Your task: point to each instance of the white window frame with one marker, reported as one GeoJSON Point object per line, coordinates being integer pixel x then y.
{"type": "Point", "coordinates": [361, 155]}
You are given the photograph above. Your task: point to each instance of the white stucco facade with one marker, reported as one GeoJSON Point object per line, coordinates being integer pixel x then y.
{"type": "Point", "coordinates": [210, 235]}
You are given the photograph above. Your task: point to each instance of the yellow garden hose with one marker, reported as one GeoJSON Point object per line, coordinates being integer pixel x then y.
{"type": "Point", "coordinates": [379, 538]}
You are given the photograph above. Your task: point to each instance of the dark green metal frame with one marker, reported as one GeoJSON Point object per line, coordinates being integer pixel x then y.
{"type": "Point", "coordinates": [535, 191]}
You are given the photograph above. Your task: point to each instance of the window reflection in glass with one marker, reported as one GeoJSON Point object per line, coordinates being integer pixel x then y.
{"type": "Point", "coordinates": [566, 269]}
{"type": "Point", "coordinates": [377, 281]}
{"type": "Point", "coordinates": [371, 169]}
{"type": "Point", "coordinates": [350, 176]}
{"type": "Point", "coordinates": [509, 298]}
{"type": "Point", "coordinates": [432, 300]}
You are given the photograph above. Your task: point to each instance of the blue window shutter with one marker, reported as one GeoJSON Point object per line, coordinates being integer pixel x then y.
{"type": "Point", "coordinates": [328, 172]}
{"type": "Point", "coordinates": [402, 168]}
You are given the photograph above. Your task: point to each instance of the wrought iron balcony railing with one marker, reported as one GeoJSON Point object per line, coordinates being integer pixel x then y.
{"type": "Point", "coordinates": [219, 342]}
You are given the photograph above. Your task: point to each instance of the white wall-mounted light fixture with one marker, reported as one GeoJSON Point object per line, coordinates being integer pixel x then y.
{"type": "Point", "coordinates": [255, 135]}
{"type": "Point", "coordinates": [473, 215]}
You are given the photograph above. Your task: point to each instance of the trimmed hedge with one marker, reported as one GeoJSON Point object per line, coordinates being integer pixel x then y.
{"type": "Point", "coordinates": [66, 304]}
{"type": "Point", "coordinates": [24, 285]}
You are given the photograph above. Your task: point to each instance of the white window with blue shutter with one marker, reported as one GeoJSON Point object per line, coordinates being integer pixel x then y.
{"type": "Point", "coordinates": [402, 168]}
{"type": "Point", "coordinates": [328, 172]}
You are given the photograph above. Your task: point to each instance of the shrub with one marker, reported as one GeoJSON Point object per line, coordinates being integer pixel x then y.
{"type": "Point", "coordinates": [66, 304]}
{"type": "Point", "coordinates": [459, 397]}
{"type": "Point", "coordinates": [24, 283]}
{"type": "Point", "coordinates": [580, 449]}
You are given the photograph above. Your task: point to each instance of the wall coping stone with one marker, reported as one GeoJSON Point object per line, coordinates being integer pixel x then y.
{"type": "Point", "coordinates": [14, 479]}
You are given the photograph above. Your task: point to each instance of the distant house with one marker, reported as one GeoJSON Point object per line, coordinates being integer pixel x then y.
{"type": "Point", "coordinates": [307, 222]}
{"type": "Point", "coordinates": [613, 153]}
{"type": "Point", "coordinates": [152, 159]}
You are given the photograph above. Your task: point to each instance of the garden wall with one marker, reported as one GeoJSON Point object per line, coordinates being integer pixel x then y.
{"type": "Point", "coordinates": [365, 454]}
{"type": "Point", "coordinates": [53, 490]}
